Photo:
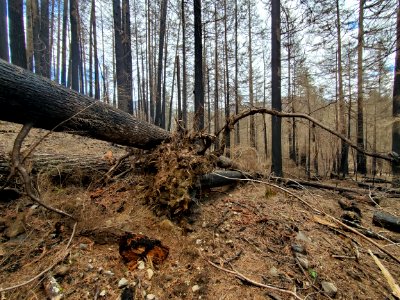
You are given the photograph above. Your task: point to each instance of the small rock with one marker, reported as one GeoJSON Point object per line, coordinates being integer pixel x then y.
{"type": "Point", "coordinates": [273, 272]}
{"type": "Point", "coordinates": [91, 267]}
{"type": "Point", "coordinates": [166, 224]}
{"type": "Point", "coordinates": [204, 225]}
{"type": "Point", "coordinates": [195, 288]}
{"type": "Point", "coordinates": [302, 260]}
{"type": "Point", "coordinates": [329, 288]}
{"type": "Point", "coordinates": [123, 282]}
{"type": "Point", "coordinates": [150, 297]}
{"type": "Point", "coordinates": [61, 270]}
{"type": "Point", "coordinates": [302, 237]}
{"type": "Point", "coordinates": [198, 242]}
{"type": "Point", "coordinates": [141, 265]}
{"type": "Point", "coordinates": [103, 293]}
{"type": "Point", "coordinates": [298, 248]}
{"type": "Point", "coordinates": [108, 273]}
{"type": "Point", "coordinates": [150, 273]}
{"type": "Point", "coordinates": [100, 270]}
{"type": "Point", "coordinates": [83, 246]}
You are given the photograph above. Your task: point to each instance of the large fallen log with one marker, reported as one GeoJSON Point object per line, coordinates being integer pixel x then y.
{"type": "Point", "coordinates": [29, 98]}
{"type": "Point", "coordinates": [83, 169]}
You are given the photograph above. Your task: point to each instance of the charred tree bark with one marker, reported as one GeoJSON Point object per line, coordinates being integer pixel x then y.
{"type": "Point", "coordinates": [3, 31]}
{"type": "Point", "coordinates": [25, 97]}
{"type": "Point", "coordinates": [386, 220]}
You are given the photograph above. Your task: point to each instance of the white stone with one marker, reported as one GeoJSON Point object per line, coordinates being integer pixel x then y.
{"type": "Point", "coordinates": [195, 288]}
{"type": "Point", "coordinates": [150, 297]}
{"type": "Point", "coordinates": [150, 273]}
{"type": "Point", "coordinates": [123, 282]}
{"type": "Point", "coordinates": [141, 265]}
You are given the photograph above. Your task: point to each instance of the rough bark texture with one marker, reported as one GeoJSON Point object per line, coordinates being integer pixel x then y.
{"type": "Point", "coordinates": [75, 57]}
{"type": "Point", "coordinates": [16, 33]}
{"type": "Point", "coordinates": [76, 169]}
{"type": "Point", "coordinates": [276, 87]}
{"type": "Point", "coordinates": [396, 108]}
{"type": "Point", "coordinates": [3, 31]}
{"type": "Point", "coordinates": [386, 220]}
{"type": "Point", "coordinates": [198, 69]}
{"type": "Point", "coordinates": [25, 97]}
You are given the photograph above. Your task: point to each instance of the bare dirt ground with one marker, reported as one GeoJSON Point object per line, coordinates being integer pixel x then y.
{"type": "Point", "coordinates": [259, 231]}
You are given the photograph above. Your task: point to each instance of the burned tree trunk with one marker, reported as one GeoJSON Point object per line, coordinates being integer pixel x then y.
{"type": "Point", "coordinates": [28, 98]}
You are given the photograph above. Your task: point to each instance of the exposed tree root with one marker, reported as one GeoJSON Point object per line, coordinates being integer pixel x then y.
{"type": "Point", "coordinates": [18, 165]}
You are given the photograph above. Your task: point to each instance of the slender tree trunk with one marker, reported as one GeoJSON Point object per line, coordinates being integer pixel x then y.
{"type": "Point", "coordinates": [178, 81]}
{"type": "Point", "coordinates": [75, 56]}
{"type": "Point", "coordinates": [29, 35]}
{"type": "Point", "coordinates": [51, 42]}
{"type": "Point", "coordinates": [198, 69]}
{"type": "Point", "coordinates": [251, 89]}
{"type": "Point", "coordinates": [95, 54]}
{"type": "Point", "coordinates": [216, 67]}
{"type": "Point", "coordinates": [16, 33]}
{"type": "Point", "coordinates": [276, 87]}
{"type": "Point", "coordinates": [3, 31]}
{"type": "Point", "coordinates": [227, 102]}
{"type": "Point", "coordinates": [127, 55]}
{"type": "Point", "coordinates": [237, 102]}
{"type": "Point", "coordinates": [171, 107]}
{"type": "Point", "coordinates": [396, 107]}
{"type": "Point", "coordinates": [64, 44]}
{"type": "Point", "coordinates": [344, 168]}
{"type": "Point", "coordinates": [141, 106]}
{"type": "Point", "coordinates": [163, 17]}
{"type": "Point", "coordinates": [184, 74]}
{"type": "Point", "coordinates": [361, 160]}
{"type": "Point", "coordinates": [44, 39]}
{"type": "Point", "coordinates": [163, 103]}
{"type": "Point", "coordinates": [57, 69]}
{"type": "Point", "coordinates": [121, 68]}
{"type": "Point", "coordinates": [82, 56]}
{"type": "Point", "coordinates": [91, 54]}
{"type": "Point", "coordinates": [150, 63]}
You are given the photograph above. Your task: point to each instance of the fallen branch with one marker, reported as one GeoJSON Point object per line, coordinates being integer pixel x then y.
{"type": "Point", "coordinates": [233, 120]}
{"type": "Point", "coordinates": [255, 283]}
{"type": "Point", "coordinates": [62, 257]}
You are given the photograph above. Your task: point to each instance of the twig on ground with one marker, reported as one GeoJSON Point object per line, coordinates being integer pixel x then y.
{"type": "Point", "coordinates": [18, 165]}
{"type": "Point", "coordinates": [255, 283]}
{"type": "Point", "coordinates": [63, 255]}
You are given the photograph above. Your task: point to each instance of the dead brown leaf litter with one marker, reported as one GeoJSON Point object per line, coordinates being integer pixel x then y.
{"type": "Point", "coordinates": [262, 233]}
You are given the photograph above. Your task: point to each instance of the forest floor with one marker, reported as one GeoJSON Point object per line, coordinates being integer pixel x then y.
{"type": "Point", "coordinates": [262, 232]}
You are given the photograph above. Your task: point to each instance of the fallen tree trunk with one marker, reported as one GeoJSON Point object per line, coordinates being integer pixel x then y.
{"type": "Point", "coordinates": [83, 169]}
{"type": "Point", "coordinates": [386, 220]}
{"type": "Point", "coordinates": [29, 98]}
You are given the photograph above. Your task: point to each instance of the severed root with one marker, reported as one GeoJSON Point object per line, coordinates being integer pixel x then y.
{"type": "Point", "coordinates": [18, 166]}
